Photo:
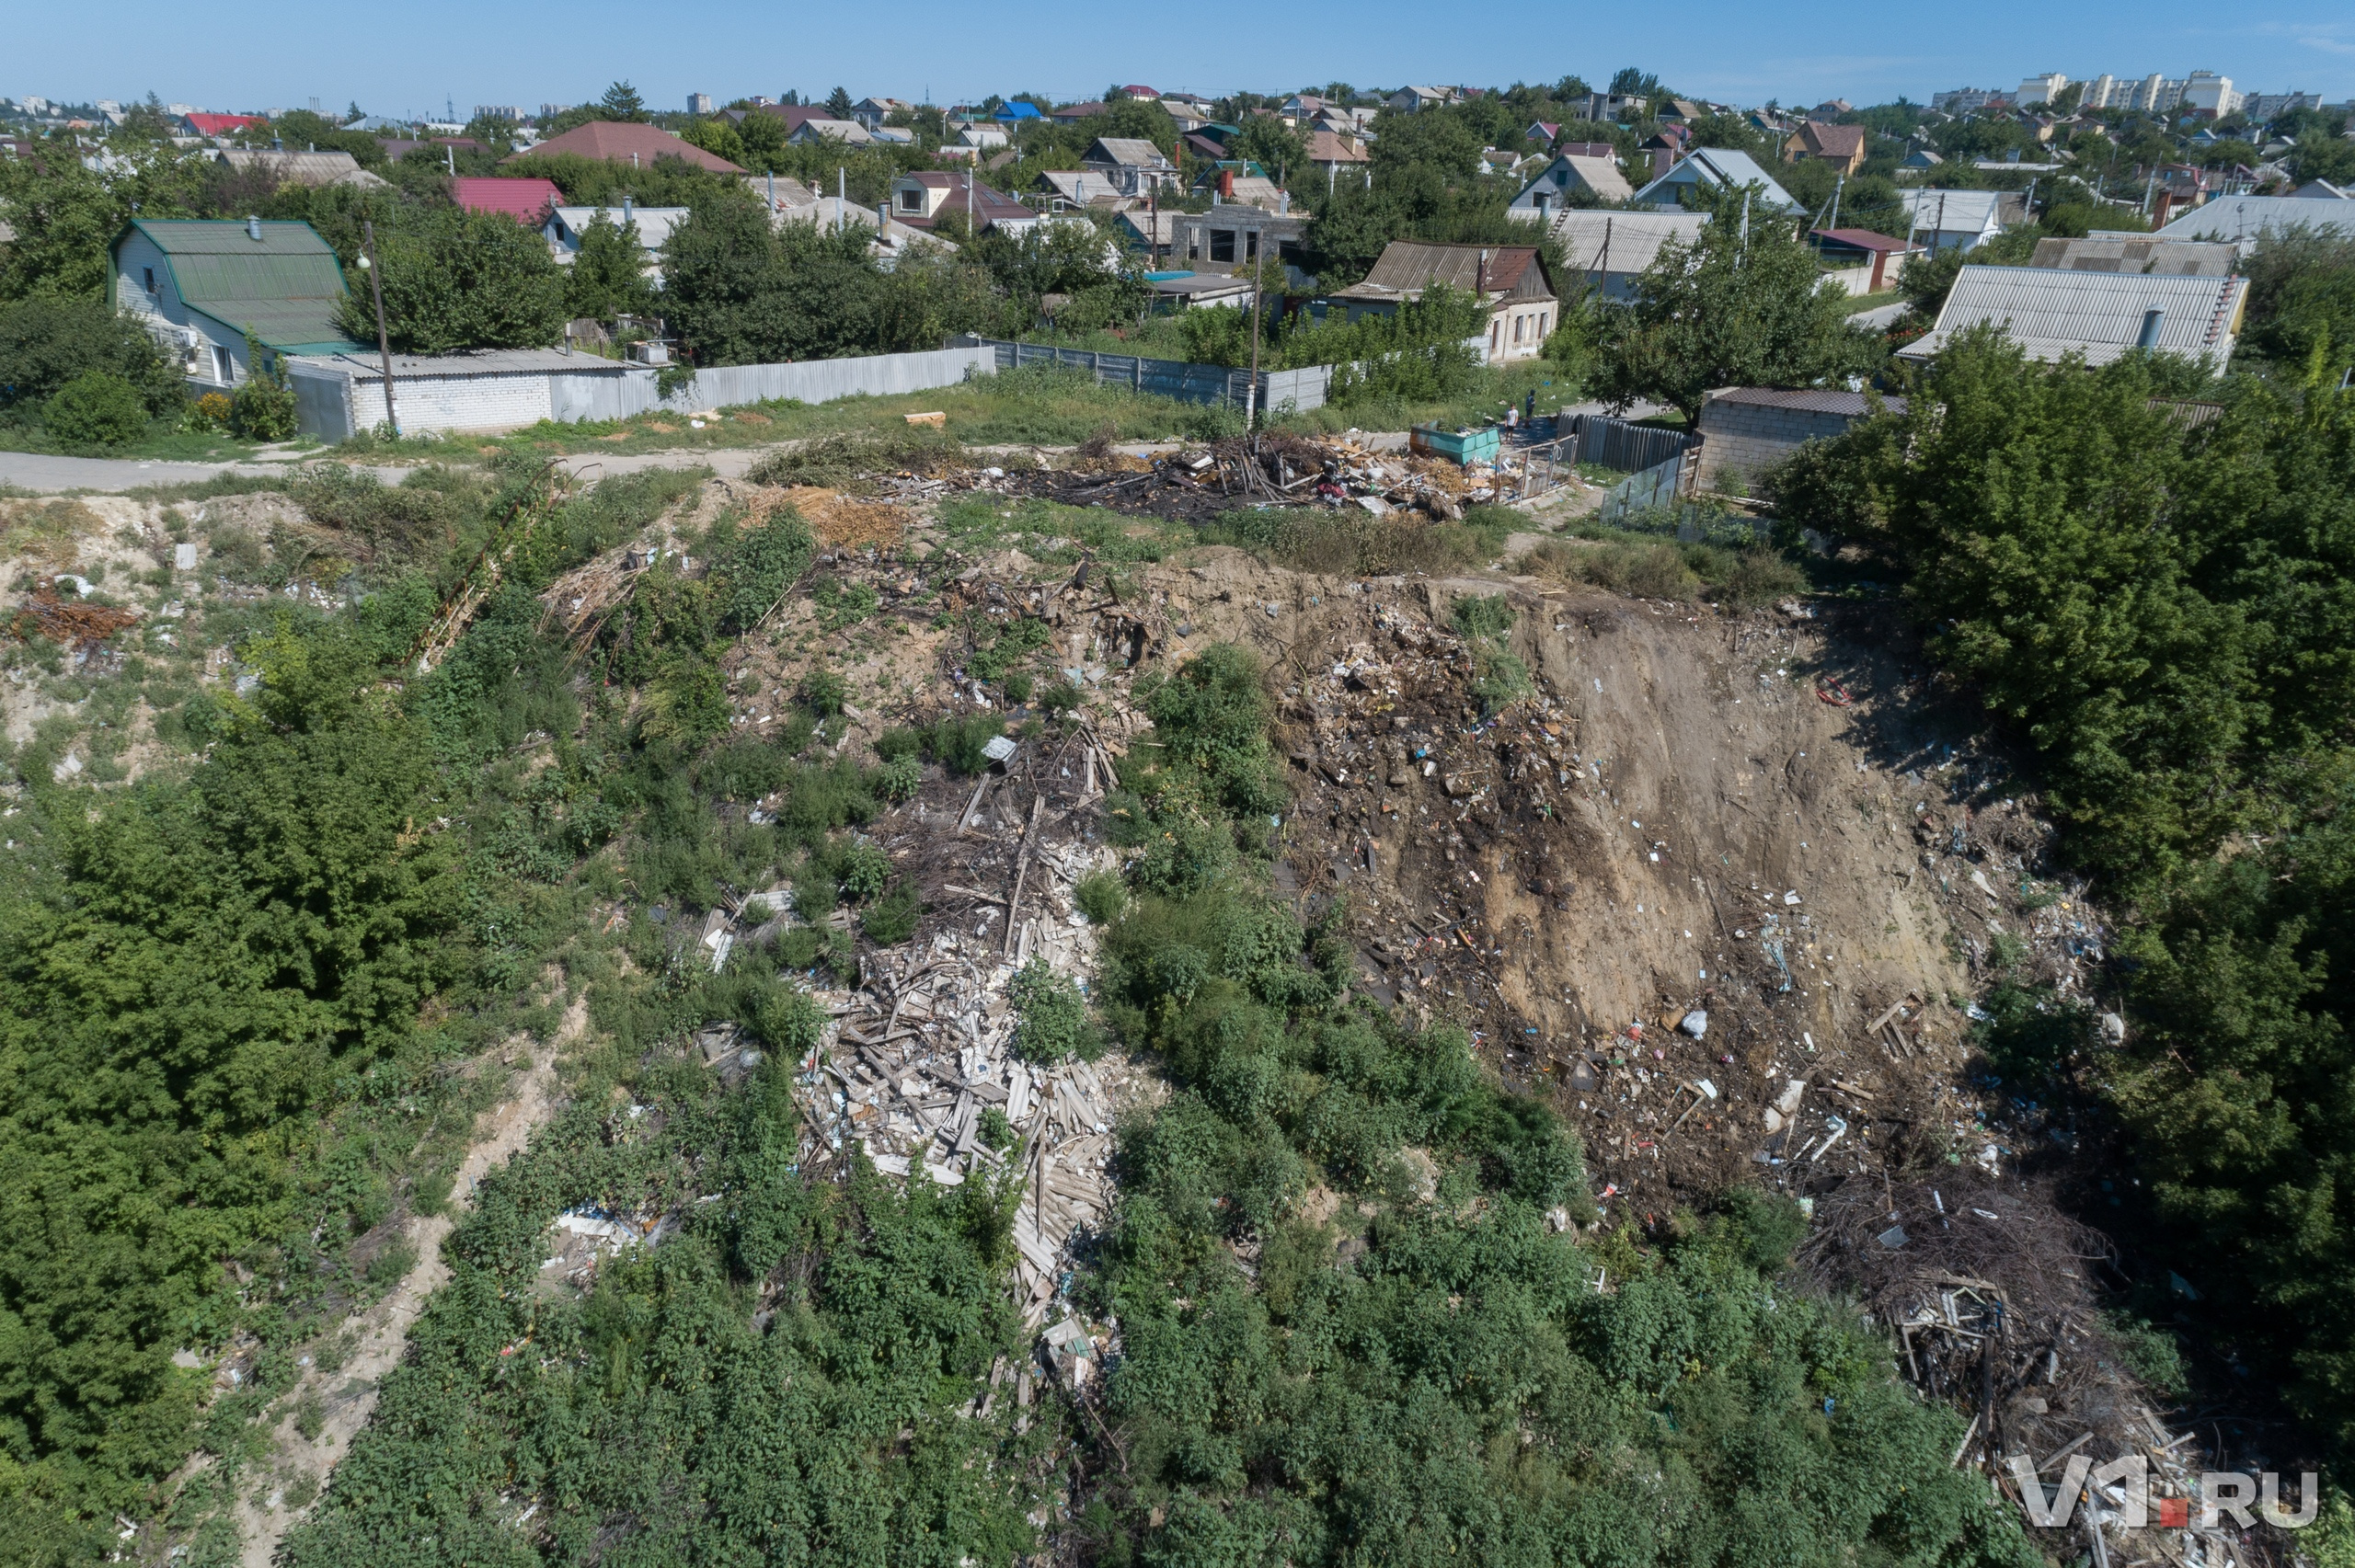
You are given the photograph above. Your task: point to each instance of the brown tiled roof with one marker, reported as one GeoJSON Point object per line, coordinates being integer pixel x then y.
{"type": "Point", "coordinates": [614, 141]}
{"type": "Point", "coordinates": [1323, 147]}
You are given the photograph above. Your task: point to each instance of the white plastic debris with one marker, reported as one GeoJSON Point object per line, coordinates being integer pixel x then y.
{"type": "Point", "coordinates": [1695, 1022]}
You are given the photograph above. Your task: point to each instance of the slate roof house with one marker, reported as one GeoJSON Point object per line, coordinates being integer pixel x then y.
{"type": "Point", "coordinates": [201, 286]}
{"type": "Point", "coordinates": [922, 199]}
{"type": "Point", "coordinates": [1943, 220]}
{"type": "Point", "coordinates": [300, 168]}
{"type": "Point", "coordinates": [1567, 175]}
{"type": "Point", "coordinates": [1610, 250]}
{"type": "Point", "coordinates": [1711, 168]}
{"type": "Point", "coordinates": [1522, 305]}
{"type": "Point", "coordinates": [2172, 258]}
{"type": "Point", "coordinates": [2102, 315]}
{"type": "Point", "coordinates": [1133, 166]}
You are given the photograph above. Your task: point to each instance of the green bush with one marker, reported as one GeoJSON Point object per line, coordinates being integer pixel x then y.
{"type": "Point", "coordinates": [824, 692]}
{"type": "Point", "coordinates": [1101, 897]}
{"type": "Point", "coordinates": [892, 918]}
{"type": "Point", "coordinates": [1051, 1022]}
{"type": "Point", "coordinates": [956, 743]}
{"type": "Point", "coordinates": [47, 341]}
{"type": "Point", "coordinates": [96, 409]}
{"type": "Point", "coordinates": [900, 778]}
{"type": "Point", "coordinates": [262, 409]}
{"type": "Point", "coordinates": [864, 869]}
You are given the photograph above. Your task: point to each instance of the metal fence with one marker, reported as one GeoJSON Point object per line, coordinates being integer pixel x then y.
{"type": "Point", "coordinates": [1297, 389]}
{"type": "Point", "coordinates": [1623, 444]}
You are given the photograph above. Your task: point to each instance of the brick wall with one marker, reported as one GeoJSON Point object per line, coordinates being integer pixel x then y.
{"type": "Point", "coordinates": [1738, 439]}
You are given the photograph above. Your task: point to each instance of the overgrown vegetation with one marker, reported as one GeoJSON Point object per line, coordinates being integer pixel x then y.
{"type": "Point", "coordinates": [2158, 607]}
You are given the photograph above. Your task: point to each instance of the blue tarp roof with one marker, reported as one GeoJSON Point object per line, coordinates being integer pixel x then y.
{"type": "Point", "coordinates": [1018, 111]}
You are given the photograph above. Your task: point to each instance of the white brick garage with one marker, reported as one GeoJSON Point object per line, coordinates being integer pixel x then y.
{"type": "Point", "coordinates": [493, 389]}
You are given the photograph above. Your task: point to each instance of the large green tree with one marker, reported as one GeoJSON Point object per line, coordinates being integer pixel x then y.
{"type": "Point", "coordinates": [1729, 310]}
{"type": "Point", "coordinates": [65, 215]}
{"type": "Point", "coordinates": [608, 277]}
{"type": "Point", "coordinates": [48, 341]}
{"type": "Point", "coordinates": [456, 279]}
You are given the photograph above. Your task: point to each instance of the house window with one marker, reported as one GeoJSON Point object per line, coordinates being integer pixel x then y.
{"type": "Point", "coordinates": [224, 369]}
{"type": "Point", "coordinates": [148, 275]}
{"type": "Point", "coordinates": [1496, 331]}
{"type": "Point", "coordinates": [911, 201]}
{"type": "Point", "coordinates": [1221, 245]}
{"type": "Point", "coordinates": [1250, 243]}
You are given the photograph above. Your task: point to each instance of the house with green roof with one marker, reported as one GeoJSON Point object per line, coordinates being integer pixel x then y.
{"type": "Point", "coordinates": [203, 286]}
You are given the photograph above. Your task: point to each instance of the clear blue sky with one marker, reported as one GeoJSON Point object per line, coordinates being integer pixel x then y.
{"type": "Point", "coordinates": [245, 54]}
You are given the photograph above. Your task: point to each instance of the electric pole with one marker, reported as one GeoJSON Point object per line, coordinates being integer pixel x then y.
{"type": "Point", "coordinates": [384, 340]}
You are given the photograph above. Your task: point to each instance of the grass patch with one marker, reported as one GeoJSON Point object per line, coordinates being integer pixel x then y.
{"type": "Point", "coordinates": [1349, 541]}
{"type": "Point", "coordinates": [1645, 565]}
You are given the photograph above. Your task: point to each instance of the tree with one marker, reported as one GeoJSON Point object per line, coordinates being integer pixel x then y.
{"type": "Point", "coordinates": [1728, 312]}
{"type": "Point", "coordinates": [621, 102]}
{"type": "Point", "coordinates": [1267, 140]}
{"type": "Point", "coordinates": [48, 342]}
{"type": "Point", "coordinates": [1629, 82]}
{"type": "Point", "coordinates": [66, 215]}
{"type": "Point", "coordinates": [2330, 158]}
{"type": "Point", "coordinates": [2302, 301]}
{"type": "Point", "coordinates": [719, 138]}
{"type": "Point", "coordinates": [838, 103]}
{"type": "Point", "coordinates": [455, 280]}
{"type": "Point", "coordinates": [608, 277]}
{"type": "Point", "coordinates": [760, 137]}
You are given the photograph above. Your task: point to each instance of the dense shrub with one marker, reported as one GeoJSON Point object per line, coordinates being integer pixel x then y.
{"type": "Point", "coordinates": [46, 342]}
{"type": "Point", "coordinates": [96, 409]}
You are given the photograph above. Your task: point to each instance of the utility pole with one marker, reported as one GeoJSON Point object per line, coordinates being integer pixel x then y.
{"type": "Point", "coordinates": [383, 339]}
{"type": "Point", "coordinates": [1838, 186]}
{"type": "Point", "coordinates": [1251, 392]}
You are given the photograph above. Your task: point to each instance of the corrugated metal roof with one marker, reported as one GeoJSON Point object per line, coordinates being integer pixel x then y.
{"type": "Point", "coordinates": [622, 142]}
{"type": "Point", "coordinates": [654, 223]}
{"type": "Point", "coordinates": [1953, 211]}
{"type": "Point", "coordinates": [1409, 266]}
{"type": "Point", "coordinates": [1132, 152]}
{"type": "Point", "coordinates": [1622, 241]}
{"type": "Point", "coordinates": [2173, 259]}
{"type": "Point", "coordinates": [302, 168]}
{"type": "Point", "coordinates": [2246, 217]}
{"type": "Point", "coordinates": [525, 200]}
{"type": "Point", "coordinates": [282, 288]}
{"type": "Point", "coordinates": [367, 366]}
{"type": "Point", "coordinates": [2049, 312]}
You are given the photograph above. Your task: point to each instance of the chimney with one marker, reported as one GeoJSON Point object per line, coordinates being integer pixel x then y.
{"type": "Point", "coordinates": [1480, 273]}
{"type": "Point", "coordinates": [253, 226]}
{"type": "Point", "coordinates": [1283, 204]}
{"type": "Point", "coordinates": [629, 210]}
{"type": "Point", "coordinates": [2153, 321]}
{"type": "Point", "coordinates": [1227, 184]}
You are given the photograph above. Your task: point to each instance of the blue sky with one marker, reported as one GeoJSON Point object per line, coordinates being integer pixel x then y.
{"type": "Point", "coordinates": [244, 54]}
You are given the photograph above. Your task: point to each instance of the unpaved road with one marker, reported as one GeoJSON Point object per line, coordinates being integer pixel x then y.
{"type": "Point", "coordinates": [381, 1332]}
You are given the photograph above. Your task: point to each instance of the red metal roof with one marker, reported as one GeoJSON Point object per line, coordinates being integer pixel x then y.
{"type": "Point", "coordinates": [525, 200]}
{"type": "Point", "coordinates": [222, 124]}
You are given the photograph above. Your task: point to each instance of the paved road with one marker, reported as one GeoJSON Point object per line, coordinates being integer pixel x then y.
{"type": "Point", "coordinates": [1880, 318]}
{"type": "Point", "coordinates": [34, 471]}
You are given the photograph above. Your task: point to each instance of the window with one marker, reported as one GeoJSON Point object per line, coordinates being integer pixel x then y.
{"type": "Point", "coordinates": [224, 369]}
{"type": "Point", "coordinates": [1496, 330]}
{"type": "Point", "coordinates": [1250, 243]}
{"type": "Point", "coordinates": [148, 274]}
{"type": "Point", "coordinates": [1221, 245]}
{"type": "Point", "coordinates": [1519, 321]}
{"type": "Point", "coordinates": [911, 201]}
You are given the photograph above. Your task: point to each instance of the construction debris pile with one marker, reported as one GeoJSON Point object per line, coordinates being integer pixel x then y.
{"type": "Point", "coordinates": [69, 620]}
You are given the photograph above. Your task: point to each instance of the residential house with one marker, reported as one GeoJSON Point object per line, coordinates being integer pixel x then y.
{"type": "Point", "coordinates": [528, 201]}
{"type": "Point", "coordinates": [1949, 219]}
{"type": "Point", "coordinates": [1921, 158]}
{"type": "Point", "coordinates": [1407, 100]}
{"type": "Point", "coordinates": [1208, 143]}
{"type": "Point", "coordinates": [1545, 132]}
{"type": "Point", "coordinates": [873, 113]}
{"type": "Point", "coordinates": [1522, 305]}
{"type": "Point", "coordinates": [2167, 258]}
{"type": "Point", "coordinates": [1151, 230]}
{"type": "Point", "coordinates": [1864, 262]}
{"type": "Point", "coordinates": [893, 241]}
{"type": "Point", "coordinates": [1715, 168]}
{"type": "Point", "coordinates": [395, 148]}
{"type": "Point", "coordinates": [847, 132]}
{"type": "Point", "coordinates": [1607, 108]}
{"type": "Point", "coordinates": [1186, 117]}
{"type": "Point", "coordinates": [1065, 188]}
{"type": "Point", "coordinates": [1190, 290]}
{"type": "Point", "coordinates": [1017, 112]}
{"type": "Point", "coordinates": [2243, 220]}
{"type": "Point", "coordinates": [1842, 147]}
{"type": "Point", "coordinates": [566, 225]}
{"type": "Point", "coordinates": [1300, 109]}
{"type": "Point", "coordinates": [199, 123]}
{"type": "Point", "coordinates": [1681, 110]}
{"type": "Point", "coordinates": [300, 168]}
{"type": "Point", "coordinates": [1234, 234]}
{"type": "Point", "coordinates": [1139, 90]}
{"type": "Point", "coordinates": [1241, 181]}
{"type": "Point", "coordinates": [622, 142]}
{"type": "Point", "coordinates": [1337, 155]}
{"type": "Point", "coordinates": [896, 136]}
{"type": "Point", "coordinates": [1071, 114]}
{"type": "Point", "coordinates": [1832, 108]}
{"type": "Point", "coordinates": [1611, 250]}
{"type": "Point", "coordinates": [922, 199]}
{"type": "Point", "coordinates": [1570, 176]}
{"type": "Point", "coordinates": [203, 287]}
{"type": "Point", "coordinates": [1663, 149]}
{"type": "Point", "coordinates": [1133, 165]}
{"type": "Point", "coordinates": [2101, 317]}
{"type": "Point", "coordinates": [1746, 429]}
